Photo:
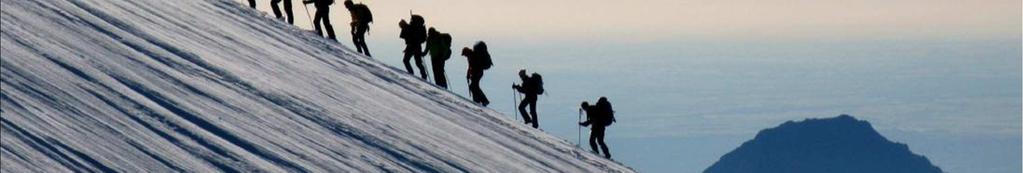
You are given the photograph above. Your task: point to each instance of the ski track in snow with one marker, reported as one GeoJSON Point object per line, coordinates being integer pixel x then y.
{"type": "Point", "coordinates": [214, 86]}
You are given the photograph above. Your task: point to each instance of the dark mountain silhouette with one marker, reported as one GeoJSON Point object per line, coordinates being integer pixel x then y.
{"type": "Point", "coordinates": [833, 145]}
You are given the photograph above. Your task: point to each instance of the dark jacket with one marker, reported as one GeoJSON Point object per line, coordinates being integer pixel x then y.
{"type": "Point", "coordinates": [476, 62]}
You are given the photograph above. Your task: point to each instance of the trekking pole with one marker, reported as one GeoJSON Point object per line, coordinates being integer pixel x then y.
{"type": "Point", "coordinates": [307, 16]}
{"type": "Point", "coordinates": [515, 100]}
{"type": "Point", "coordinates": [579, 130]}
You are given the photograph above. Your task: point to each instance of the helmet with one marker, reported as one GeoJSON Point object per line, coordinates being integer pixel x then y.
{"type": "Point", "coordinates": [466, 51]}
{"type": "Point", "coordinates": [432, 31]}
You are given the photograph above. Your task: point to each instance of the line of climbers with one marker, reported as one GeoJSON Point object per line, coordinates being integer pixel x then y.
{"type": "Point", "coordinates": [438, 46]}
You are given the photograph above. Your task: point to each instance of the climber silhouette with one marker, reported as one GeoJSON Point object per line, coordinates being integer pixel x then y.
{"type": "Point", "coordinates": [438, 45]}
{"type": "Point", "coordinates": [599, 116]}
{"type": "Point", "coordinates": [322, 14]}
{"type": "Point", "coordinates": [479, 60]}
{"type": "Point", "coordinates": [275, 5]}
{"type": "Point", "coordinates": [531, 87]}
{"type": "Point", "coordinates": [361, 17]}
{"type": "Point", "coordinates": [414, 34]}
{"type": "Point", "coordinates": [252, 3]}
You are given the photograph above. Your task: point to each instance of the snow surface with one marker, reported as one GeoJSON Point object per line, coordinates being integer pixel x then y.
{"type": "Point", "coordinates": [214, 86]}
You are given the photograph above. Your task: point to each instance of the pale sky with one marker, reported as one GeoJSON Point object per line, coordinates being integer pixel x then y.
{"type": "Point", "coordinates": [697, 19]}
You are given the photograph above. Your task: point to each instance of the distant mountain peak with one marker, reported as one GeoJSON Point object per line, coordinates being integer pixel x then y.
{"type": "Point", "coordinates": [835, 145]}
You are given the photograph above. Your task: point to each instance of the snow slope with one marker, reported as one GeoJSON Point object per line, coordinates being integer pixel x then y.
{"type": "Point", "coordinates": [213, 86]}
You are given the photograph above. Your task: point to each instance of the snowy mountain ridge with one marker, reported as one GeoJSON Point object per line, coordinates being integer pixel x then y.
{"type": "Point", "coordinates": [213, 86]}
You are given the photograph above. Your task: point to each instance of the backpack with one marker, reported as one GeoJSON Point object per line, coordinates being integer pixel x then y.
{"type": "Point", "coordinates": [363, 13]}
{"type": "Point", "coordinates": [609, 114]}
{"type": "Point", "coordinates": [482, 57]}
{"type": "Point", "coordinates": [538, 82]}
{"type": "Point", "coordinates": [445, 40]}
